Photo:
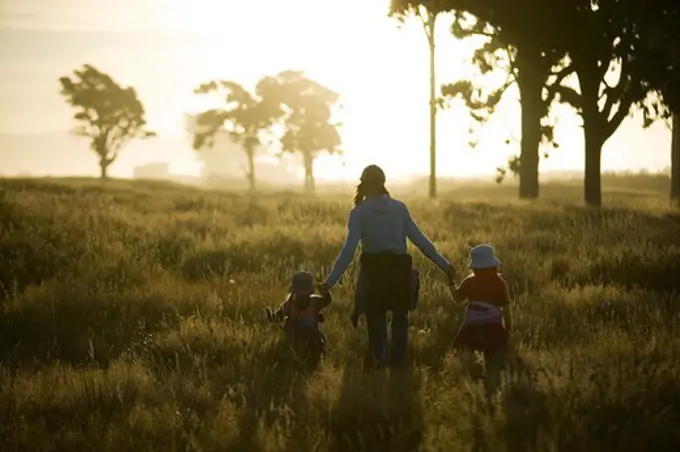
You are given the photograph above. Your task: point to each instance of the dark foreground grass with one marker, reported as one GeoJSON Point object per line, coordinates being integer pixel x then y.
{"type": "Point", "coordinates": [131, 320]}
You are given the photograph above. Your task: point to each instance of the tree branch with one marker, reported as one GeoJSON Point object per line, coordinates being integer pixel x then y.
{"type": "Point", "coordinates": [554, 88]}
{"type": "Point", "coordinates": [614, 93]}
{"type": "Point", "coordinates": [512, 63]}
{"type": "Point", "coordinates": [621, 113]}
{"type": "Point", "coordinates": [569, 96]}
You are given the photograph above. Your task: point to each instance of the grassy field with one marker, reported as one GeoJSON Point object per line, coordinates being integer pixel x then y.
{"type": "Point", "coordinates": [131, 319]}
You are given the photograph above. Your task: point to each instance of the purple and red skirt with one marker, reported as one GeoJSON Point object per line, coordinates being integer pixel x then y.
{"type": "Point", "coordinates": [486, 337]}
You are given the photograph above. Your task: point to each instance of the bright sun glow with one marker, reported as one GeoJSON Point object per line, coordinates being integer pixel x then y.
{"type": "Point", "coordinates": [165, 48]}
{"type": "Point", "coordinates": [379, 68]}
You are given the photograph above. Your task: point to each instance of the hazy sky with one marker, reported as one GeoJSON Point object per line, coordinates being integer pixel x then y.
{"type": "Point", "coordinates": [166, 47]}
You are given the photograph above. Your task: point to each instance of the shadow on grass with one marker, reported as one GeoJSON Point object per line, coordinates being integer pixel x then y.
{"type": "Point", "coordinates": [431, 353]}
{"type": "Point", "coordinates": [378, 411]}
{"type": "Point", "coordinates": [511, 395]}
{"type": "Point", "coordinates": [275, 389]}
{"type": "Point", "coordinates": [526, 407]}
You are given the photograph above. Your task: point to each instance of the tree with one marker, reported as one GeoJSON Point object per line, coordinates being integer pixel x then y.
{"type": "Point", "coordinates": [307, 120]}
{"type": "Point", "coordinates": [110, 115]}
{"type": "Point", "coordinates": [599, 39]}
{"type": "Point", "coordinates": [675, 158]}
{"type": "Point", "coordinates": [659, 57]}
{"type": "Point", "coordinates": [514, 48]}
{"type": "Point", "coordinates": [427, 13]}
{"type": "Point", "coordinates": [245, 117]}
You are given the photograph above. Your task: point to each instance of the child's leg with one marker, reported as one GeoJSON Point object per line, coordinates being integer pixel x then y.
{"type": "Point", "coordinates": [466, 346]}
{"type": "Point", "coordinates": [469, 362]}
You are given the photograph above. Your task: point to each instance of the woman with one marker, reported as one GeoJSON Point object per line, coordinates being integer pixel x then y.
{"type": "Point", "coordinates": [382, 224]}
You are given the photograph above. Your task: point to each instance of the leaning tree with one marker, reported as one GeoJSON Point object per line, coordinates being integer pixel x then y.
{"type": "Point", "coordinates": [107, 113]}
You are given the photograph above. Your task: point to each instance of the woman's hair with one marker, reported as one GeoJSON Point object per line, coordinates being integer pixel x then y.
{"type": "Point", "coordinates": [372, 184]}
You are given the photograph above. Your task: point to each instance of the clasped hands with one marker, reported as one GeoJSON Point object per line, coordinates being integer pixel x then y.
{"type": "Point", "coordinates": [322, 288]}
{"type": "Point", "coordinates": [451, 276]}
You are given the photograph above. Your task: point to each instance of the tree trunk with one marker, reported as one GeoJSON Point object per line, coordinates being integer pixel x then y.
{"type": "Point", "coordinates": [250, 174]}
{"type": "Point", "coordinates": [433, 107]}
{"type": "Point", "coordinates": [592, 180]}
{"type": "Point", "coordinates": [308, 159]}
{"type": "Point", "coordinates": [675, 158]}
{"type": "Point", "coordinates": [104, 169]}
{"type": "Point", "coordinates": [530, 81]}
{"type": "Point", "coordinates": [593, 131]}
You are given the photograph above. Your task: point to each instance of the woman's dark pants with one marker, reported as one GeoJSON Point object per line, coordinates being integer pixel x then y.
{"type": "Point", "coordinates": [376, 323]}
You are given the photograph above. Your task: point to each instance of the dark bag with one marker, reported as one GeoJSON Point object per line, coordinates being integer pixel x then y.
{"type": "Point", "coordinates": [388, 281]}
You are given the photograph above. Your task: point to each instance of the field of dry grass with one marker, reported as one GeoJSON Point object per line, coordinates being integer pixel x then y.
{"type": "Point", "coordinates": [131, 319]}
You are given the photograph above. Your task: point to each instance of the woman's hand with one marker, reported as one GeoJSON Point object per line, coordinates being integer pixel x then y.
{"type": "Point", "coordinates": [322, 288]}
{"type": "Point", "coordinates": [451, 275]}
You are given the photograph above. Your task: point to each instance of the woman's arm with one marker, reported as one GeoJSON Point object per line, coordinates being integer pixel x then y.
{"type": "Point", "coordinates": [323, 300]}
{"type": "Point", "coordinates": [425, 246]}
{"type": "Point", "coordinates": [348, 250]}
{"type": "Point", "coordinates": [459, 293]}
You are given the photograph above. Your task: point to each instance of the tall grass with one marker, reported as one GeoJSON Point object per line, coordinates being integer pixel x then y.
{"type": "Point", "coordinates": [131, 319]}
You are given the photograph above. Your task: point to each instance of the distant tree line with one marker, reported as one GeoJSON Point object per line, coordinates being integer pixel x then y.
{"type": "Point", "coordinates": [603, 58]}
{"type": "Point", "coordinates": [298, 108]}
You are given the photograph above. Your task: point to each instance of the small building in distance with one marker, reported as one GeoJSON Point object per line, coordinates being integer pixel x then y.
{"type": "Point", "coordinates": [156, 170]}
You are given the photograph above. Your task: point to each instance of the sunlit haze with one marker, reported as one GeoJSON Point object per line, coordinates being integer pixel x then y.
{"type": "Point", "coordinates": [164, 48]}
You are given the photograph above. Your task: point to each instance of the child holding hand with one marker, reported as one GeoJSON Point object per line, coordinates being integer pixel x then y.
{"type": "Point", "coordinates": [301, 312]}
{"type": "Point", "coordinates": [488, 316]}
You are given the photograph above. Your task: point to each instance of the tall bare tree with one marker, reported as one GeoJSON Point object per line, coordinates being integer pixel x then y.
{"type": "Point", "coordinates": [427, 13]}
